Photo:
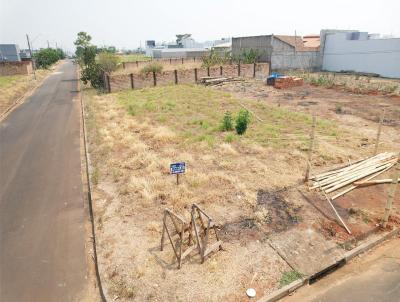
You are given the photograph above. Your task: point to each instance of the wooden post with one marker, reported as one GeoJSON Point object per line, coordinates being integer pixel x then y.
{"type": "Point", "coordinates": [132, 84]}
{"type": "Point", "coordinates": [208, 71]}
{"type": "Point", "coordinates": [177, 179]}
{"type": "Point", "coordinates": [182, 61]}
{"type": "Point", "coordinates": [176, 76]}
{"type": "Point", "coordinates": [194, 59]}
{"type": "Point", "coordinates": [254, 70]}
{"type": "Point", "coordinates": [195, 75]}
{"type": "Point", "coordinates": [378, 135]}
{"type": "Point", "coordinates": [123, 65]}
{"type": "Point", "coordinates": [392, 192]}
{"type": "Point", "coordinates": [154, 78]}
{"type": "Point", "coordinates": [137, 64]}
{"type": "Point", "coordinates": [239, 69]}
{"type": "Point", "coordinates": [170, 61]}
{"type": "Point", "coordinates": [311, 148]}
{"type": "Point", "coordinates": [108, 83]}
{"type": "Point", "coordinates": [220, 70]}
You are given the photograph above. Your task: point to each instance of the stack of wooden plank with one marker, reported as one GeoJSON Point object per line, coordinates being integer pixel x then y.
{"type": "Point", "coordinates": [287, 82]}
{"type": "Point", "coordinates": [212, 81]}
{"type": "Point", "coordinates": [363, 170]}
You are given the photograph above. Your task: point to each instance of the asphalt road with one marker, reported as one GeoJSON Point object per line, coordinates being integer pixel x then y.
{"type": "Point", "coordinates": [373, 277]}
{"type": "Point", "coordinates": [42, 233]}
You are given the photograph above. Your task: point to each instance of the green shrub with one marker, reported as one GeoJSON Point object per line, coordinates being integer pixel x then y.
{"type": "Point", "coordinates": [47, 56]}
{"type": "Point", "coordinates": [227, 124]}
{"type": "Point", "coordinates": [152, 67]}
{"type": "Point", "coordinates": [242, 121]}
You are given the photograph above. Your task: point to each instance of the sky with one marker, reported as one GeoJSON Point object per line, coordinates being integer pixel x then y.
{"type": "Point", "coordinates": [128, 23]}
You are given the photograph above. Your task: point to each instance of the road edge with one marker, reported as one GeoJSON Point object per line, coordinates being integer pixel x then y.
{"type": "Point", "coordinates": [290, 288]}
{"type": "Point", "coordinates": [96, 292]}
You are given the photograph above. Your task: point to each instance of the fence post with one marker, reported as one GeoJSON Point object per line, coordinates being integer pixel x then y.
{"type": "Point", "coordinates": [254, 70]}
{"type": "Point", "coordinates": [208, 71]}
{"type": "Point", "coordinates": [239, 68]}
{"type": "Point", "coordinates": [154, 78]}
{"type": "Point", "coordinates": [194, 59]}
{"type": "Point", "coordinates": [170, 61]}
{"type": "Point", "coordinates": [182, 61]}
{"type": "Point", "coordinates": [123, 65]}
{"type": "Point", "coordinates": [392, 192]}
{"type": "Point", "coordinates": [108, 83]}
{"type": "Point", "coordinates": [176, 76]}
{"type": "Point", "coordinates": [378, 135]}
{"type": "Point", "coordinates": [311, 149]}
{"type": "Point", "coordinates": [220, 70]}
{"type": "Point", "coordinates": [137, 64]}
{"type": "Point", "coordinates": [132, 85]}
{"type": "Point", "coordinates": [195, 75]}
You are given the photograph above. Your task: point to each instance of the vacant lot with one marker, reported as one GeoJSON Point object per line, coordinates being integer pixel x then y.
{"type": "Point", "coordinates": [14, 87]}
{"type": "Point", "coordinates": [133, 58]}
{"type": "Point", "coordinates": [250, 185]}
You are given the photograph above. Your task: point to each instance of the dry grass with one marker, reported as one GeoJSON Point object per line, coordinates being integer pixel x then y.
{"type": "Point", "coordinates": [352, 83]}
{"type": "Point", "coordinates": [14, 87]}
{"type": "Point", "coordinates": [135, 135]}
{"type": "Point", "coordinates": [166, 67]}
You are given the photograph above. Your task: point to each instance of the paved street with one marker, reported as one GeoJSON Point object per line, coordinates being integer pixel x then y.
{"type": "Point", "coordinates": [373, 277]}
{"type": "Point", "coordinates": [42, 234]}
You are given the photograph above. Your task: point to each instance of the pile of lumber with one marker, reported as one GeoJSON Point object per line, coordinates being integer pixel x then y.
{"type": "Point", "coordinates": [287, 82]}
{"type": "Point", "coordinates": [213, 81]}
{"type": "Point", "coordinates": [354, 175]}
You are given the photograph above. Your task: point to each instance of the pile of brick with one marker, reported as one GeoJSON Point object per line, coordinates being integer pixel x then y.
{"type": "Point", "coordinates": [287, 82]}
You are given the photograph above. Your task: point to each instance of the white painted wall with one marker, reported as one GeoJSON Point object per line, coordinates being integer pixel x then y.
{"type": "Point", "coordinates": [381, 56]}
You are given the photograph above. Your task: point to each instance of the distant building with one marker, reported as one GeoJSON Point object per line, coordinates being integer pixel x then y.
{"type": "Point", "coordinates": [179, 53]}
{"type": "Point", "coordinates": [223, 48]}
{"type": "Point", "coordinates": [9, 53]}
{"type": "Point", "coordinates": [283, 52]}
{"type": "Point", "coordinates": [361, 52]}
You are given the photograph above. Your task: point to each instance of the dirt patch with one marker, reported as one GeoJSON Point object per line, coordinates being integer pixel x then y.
{"type": "Point", "coordinates": [282, 214]}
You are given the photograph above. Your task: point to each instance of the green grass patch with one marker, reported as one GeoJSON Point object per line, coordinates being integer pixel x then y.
{"type": "Point", "coordinates": [133, 58]}
{"type": "Point", "coordinates": [6, 81]}
{"type": "Point", "coordinates": [195, 113]}
{"type": "Point", "coordinates": [289, 277]}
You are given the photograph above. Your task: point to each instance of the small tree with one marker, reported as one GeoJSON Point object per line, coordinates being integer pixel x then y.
{"type": "Point", "coordinates": [108, 61]}
{"type": "Point", "coordinates": [227, 124]}
{"type": "Point", "coordinates": [242, 121]}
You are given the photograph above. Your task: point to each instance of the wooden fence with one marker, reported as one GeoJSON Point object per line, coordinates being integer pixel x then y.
{"type": "Point", "coordinates": [184, 76]}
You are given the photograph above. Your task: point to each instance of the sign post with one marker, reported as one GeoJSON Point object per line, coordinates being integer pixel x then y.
{"type": "Point", "coordinates": [177, 168]}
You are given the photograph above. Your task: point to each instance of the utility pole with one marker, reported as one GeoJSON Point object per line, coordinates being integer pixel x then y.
{"type": "Point", "coordinates": [48, 44]}
{"type": "Point", "coordinates": [33, 61]}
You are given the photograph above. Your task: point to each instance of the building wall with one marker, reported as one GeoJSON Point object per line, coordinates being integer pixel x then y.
{"type": "Point", "coordinates": [260, 43]}
{"type": "Point", "coordinates": [14, 68]}
{"type": "Point", "coordinates": [284, 57]}
{"type": "Point", "coordinates": [380, 56]}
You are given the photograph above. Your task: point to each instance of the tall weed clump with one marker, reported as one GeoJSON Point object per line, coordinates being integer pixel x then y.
{"type": "Point", "coordinates": [150, 68]}
{"type": "Point", "coordinates": [227, 124]}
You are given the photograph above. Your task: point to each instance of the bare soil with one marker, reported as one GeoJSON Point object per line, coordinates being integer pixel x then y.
{"type": "Point", "coordinates": [251, 185]}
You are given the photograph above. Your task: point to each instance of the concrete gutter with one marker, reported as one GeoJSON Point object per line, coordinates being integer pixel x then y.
{"type": "Point", "coordinates": [366, 246]}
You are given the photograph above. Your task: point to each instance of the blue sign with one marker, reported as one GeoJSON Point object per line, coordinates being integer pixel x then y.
{"type": "Point", "coordinates": [177, 168]}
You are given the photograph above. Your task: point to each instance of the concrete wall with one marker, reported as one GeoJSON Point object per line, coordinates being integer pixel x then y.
{"type": "Point", "coordinates": [380, 56]}
{"type": "Point", "coordinates": [14, 68]}
{"type": "Point", "coordinates": [260, 43]}
{"type": "Point", "coordinates": [284, 57]}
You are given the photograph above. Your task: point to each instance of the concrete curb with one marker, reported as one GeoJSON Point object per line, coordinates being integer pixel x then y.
{"type": "Point", "coordinates": [288, 289]}
{"type": "Point", "coordinates": [98, 294]}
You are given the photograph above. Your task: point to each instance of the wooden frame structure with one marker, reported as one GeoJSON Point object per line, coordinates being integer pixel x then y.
{"type": "Point", "coordinates": [178, 233]}
{"type": "Point", "coordinates": [203, 235]}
